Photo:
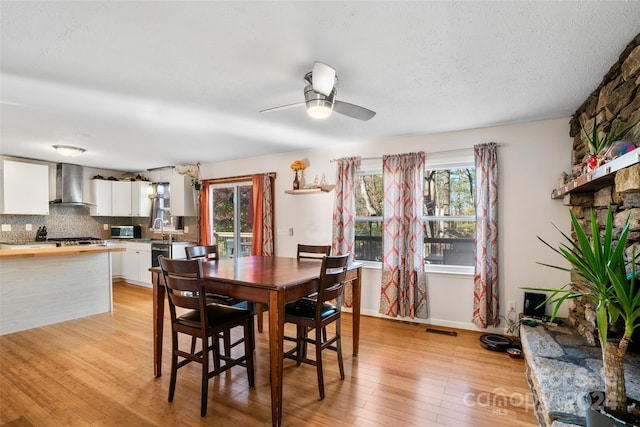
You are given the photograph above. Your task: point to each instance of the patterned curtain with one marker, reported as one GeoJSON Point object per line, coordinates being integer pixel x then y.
{"type": "Point", "coordinates": [485, 292]}
{"type": "Point", "coordinates": [344, 214]}
{"type": "Point", "coordinates": [404, 283]}
{"type": "Point", "coordinates": [262, 239]}
{"type": "Point", "coordinates": [204, 220]}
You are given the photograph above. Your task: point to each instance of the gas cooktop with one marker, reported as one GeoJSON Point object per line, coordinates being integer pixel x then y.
{"type": "Point", "coordinates": [76, 241]}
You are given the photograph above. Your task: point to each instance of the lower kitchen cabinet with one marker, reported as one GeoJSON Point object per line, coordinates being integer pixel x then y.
{"type": "Point", "coordinates": [116, 261]}
{"type": "Point", "coordinates": [136, 262]}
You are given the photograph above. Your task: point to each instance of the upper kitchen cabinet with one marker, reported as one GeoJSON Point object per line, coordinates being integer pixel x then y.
{"type": "Point", "coordinates": [182, 195]}
{"type": "Point", "coordinates": [24, 188]}
{"type": "Point", "coordinates": [140, 201]}
{"type": "Point", "coordinates": [121, 198]}
{"type": "Point", "coordinates": [164, 174]}
{"type": "Point", "coordinates": [101, 198]}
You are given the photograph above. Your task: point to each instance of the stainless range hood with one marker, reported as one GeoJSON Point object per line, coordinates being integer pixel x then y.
{"type": "Point", "coordinates": [69, 184]}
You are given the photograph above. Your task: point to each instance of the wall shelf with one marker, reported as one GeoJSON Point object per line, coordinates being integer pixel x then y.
{"type": "Point", "coordinates": [599, 177]}
{"type": "Point", "coordinates": [321, 189]}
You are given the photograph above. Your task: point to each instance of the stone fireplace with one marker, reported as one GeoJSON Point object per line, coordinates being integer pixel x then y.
{"type": "Point", "coordinates": [614, 105]}
{"type": "Point", "coordinates": [564, 362]}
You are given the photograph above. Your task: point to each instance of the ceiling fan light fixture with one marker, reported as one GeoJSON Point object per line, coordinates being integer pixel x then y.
{"type": "Point", "coordinates": [320, 109]}
{"type": "Point", "coordinates": [319, 106]}
{"type": "Point", "coordinates": [68, 150]}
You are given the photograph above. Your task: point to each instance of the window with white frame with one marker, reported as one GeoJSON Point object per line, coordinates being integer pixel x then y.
{"type": "Point", "coordinates": [449, 213]}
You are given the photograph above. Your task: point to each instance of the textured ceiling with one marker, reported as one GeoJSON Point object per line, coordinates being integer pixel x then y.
{"type": "Point", "coordinates": [149, 84]}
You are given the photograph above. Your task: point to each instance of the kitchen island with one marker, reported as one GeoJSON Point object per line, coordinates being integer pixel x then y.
{"type": "Point", "coordinates": [41, 286]}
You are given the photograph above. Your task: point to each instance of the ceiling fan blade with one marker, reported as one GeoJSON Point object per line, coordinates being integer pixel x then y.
{"type": "Point", "coordinates": [353, 111]}
{"type": "Point", "coordinates": [323, 78]}
{"type": "Point", "coordinates": [15, 104]}
{"type": "Point", "coordinates": [282, 107]}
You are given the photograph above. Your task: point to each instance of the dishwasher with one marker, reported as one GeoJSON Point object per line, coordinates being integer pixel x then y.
{"type": "Point", "coordinates": [158, 249]}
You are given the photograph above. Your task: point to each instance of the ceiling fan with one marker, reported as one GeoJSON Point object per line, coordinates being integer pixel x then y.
{"type": "Point", "coordinates": [320, 96]}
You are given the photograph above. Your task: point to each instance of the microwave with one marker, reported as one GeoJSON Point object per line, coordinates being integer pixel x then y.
{"type": "Point", "coordinates": [126, 232]}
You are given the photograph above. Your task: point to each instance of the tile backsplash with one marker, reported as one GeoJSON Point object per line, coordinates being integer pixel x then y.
{"type": "Point", "coordinates": [75, 221]}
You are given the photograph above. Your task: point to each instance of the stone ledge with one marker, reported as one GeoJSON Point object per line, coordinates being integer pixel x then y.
{"type": "Point", "coordinates": [560, 368]}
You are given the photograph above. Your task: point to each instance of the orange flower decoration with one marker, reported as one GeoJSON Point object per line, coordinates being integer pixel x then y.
{"type": "Point", "coordinates": [297, 165]}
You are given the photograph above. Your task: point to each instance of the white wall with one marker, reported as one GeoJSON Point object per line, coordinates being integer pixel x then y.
{"type": "Point", "coordinates": [531, 156]}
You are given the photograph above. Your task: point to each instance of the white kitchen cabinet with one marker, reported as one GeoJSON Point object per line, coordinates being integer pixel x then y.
{"type": "Point", "coordinates": [182, 195]}
{"type": "Point", "coordinates": [161, 174]}
{"type": "Point", "coordinates": [101, 198]}
{"type": "Point", "coordinates": [136, 262]}
{"type": "Point", "coordinates": [116, 265]}
{"type": "Point", "coordinates": [116, 260]}
{"type": "Point", "coordinates": [24, 189]}
{"type": "Point", "coordinates": [140, 201]}
{"type": "Point", "coordinates": [130, 265]}
{"type": "Point", "coordinates": [120, 198]}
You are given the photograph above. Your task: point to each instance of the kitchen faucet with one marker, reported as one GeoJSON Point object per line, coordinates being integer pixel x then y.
{"type": "Point", "coordinates": [161, 227]}
{"type": "Point", "coordinates": [161, 224]}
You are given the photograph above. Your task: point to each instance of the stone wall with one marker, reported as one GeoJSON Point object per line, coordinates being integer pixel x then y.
{"type": "Point", "coordinates": [615, 104]}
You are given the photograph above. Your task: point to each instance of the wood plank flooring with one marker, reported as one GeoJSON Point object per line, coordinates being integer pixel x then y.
{"type": "Point", "coordinates": [98, 371]}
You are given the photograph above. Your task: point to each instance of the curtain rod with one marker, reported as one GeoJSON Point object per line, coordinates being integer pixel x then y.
{"type": "Point", "coordinates": [237, 178]}
{"type": "Point", "coordinates": [429, 152]}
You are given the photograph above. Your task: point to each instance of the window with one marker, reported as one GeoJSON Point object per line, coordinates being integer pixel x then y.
{"type": "Point", "coordinates": [369, 210]}
{"type": "Point", "coordinates": [231, 219]}
{"type": "Point", "coordinates": [449, 214]}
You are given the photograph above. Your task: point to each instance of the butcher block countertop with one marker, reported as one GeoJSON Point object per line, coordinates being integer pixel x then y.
{"type": "Point", "coordinates": [55, 251]}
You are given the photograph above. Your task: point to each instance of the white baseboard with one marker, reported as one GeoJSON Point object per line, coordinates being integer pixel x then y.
{"type": "Point", "coordinates": [435, 322]}
{"type": "Point", "coordinates": [135, 282]}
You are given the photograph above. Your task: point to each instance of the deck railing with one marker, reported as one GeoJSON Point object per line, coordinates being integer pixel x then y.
{"type": "Point", "coordinates": [448, 251]}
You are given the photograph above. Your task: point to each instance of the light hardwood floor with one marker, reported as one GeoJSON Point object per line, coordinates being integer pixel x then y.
{"type": "Point", "coordinates": [98, 371]}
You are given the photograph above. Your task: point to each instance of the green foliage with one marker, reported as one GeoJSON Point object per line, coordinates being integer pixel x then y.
{"type": "Point", "coordinates": [598, 144]}
{"type": "Point", "coordinates": [223, 208]}
{"type": "Point", "coordinates": [627, 299]}
{"type": "Point", "coordinates": [602, 268]}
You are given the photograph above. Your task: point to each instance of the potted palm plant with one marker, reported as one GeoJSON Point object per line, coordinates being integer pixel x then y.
{"type": "Point", "coordinates": [599, 264]}
{"type": "Point", "coordinates": [597, 145]}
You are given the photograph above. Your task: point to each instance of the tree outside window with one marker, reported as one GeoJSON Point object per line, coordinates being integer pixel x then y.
{"type": "Point", "coordinates": [449, 216]}
{"type": "Point", "coordinates": [232, 220]}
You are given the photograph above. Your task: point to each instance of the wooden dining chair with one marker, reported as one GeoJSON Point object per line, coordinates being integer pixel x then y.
{"type": "Point", "coordinates": [313, 251]}
{"type": "Point", "coordinates": [310, 314]}
{"type": "Point", "coordinates": [210, 253]}
{"type": "Point", "coordinates": [205, 321]}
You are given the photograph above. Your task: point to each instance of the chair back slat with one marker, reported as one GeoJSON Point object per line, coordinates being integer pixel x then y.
{"type": "Point", "coordinates": [313, 251]}
{"type": "Point", "coordinates": [209, 252]}
{"type": "Point", "coordinates": [333, 273]}
{"type": "Point", "coordinates": [183, 283]}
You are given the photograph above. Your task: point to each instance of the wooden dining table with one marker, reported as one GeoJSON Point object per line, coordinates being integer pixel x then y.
{"type": "Point", "coordinates": [260, 279]}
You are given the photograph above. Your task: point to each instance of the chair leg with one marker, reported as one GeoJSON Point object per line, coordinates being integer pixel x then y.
{"type": "Point", "coordinates": [319, 362]}
{"type": "Point", "coordinates": [216, 352]}
{"type": "Point", "coordinates": [174, 365]}
{"type": "Point", "coordinates": [205, 376]}
{"type": "Point", "coordinates": [339, 349]}
{"type": "Point", "coordinates": [299, 343]}
{"type": "Point", "coordinates": [227, 343]}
